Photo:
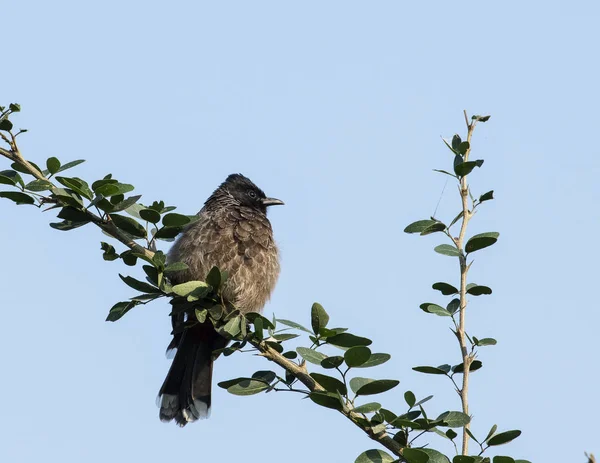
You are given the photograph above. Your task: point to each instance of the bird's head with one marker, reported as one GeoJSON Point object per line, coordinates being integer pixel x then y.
{"type": "Point", "coordinates": [245, 193]}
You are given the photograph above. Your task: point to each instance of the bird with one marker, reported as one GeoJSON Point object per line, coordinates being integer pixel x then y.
{"type": "Point", "coordinates": [234, 234]}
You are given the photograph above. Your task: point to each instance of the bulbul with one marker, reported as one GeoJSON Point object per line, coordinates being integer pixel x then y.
{"type": "Point", "coordinates": [234, 234]}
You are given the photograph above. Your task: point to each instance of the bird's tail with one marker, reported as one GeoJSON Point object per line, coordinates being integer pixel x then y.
{"type": "Point", "coordinates": [185, 393]}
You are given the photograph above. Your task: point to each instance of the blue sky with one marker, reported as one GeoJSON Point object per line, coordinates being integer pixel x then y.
{"type": "Point", "coordinates": [337, 108]}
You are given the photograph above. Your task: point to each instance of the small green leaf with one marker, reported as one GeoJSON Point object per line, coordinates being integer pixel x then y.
{"type": "Point", "coordinates": [410, 398]}
{"type": "Point", "coordinates": [481, 118]}
{"type": "Point", "coordinates": [445, 288]}
{"type": "Point", "coordinates": [456, 141]}
{"type": "Point", "coordinates": [434, 228]}
{"type": "Point", "coordinates": [318, 317]}
{"type": "Point", "coordinates": [292, 324]}
{"type": "Point", "coordinates": [201, 315]}
{"type": "Point", "coordinates": [109, 253]}
{"type": "Point", "coordinates": [415, 456]}
{"type": "Point", "coordinates": [73, 215]}
{"type": "Point", "coordinates": [501, 459]}
{"type": "Point", "coordinates": [68, 165]}
{"type": "Point", "coordinates": [453, 305]}
{"type": "Point", "coordinates": [53, 164]}
{"type": "Point", "coordinates": [66, 225]}
{"type": "Point", "coordinates": [111, 189]}
{"type": "Point", "coordinates": [477, 290]}
{"type": "Point", "coordinates": [465, 168]}
{"type": "Point", "coordinates": [379, 456]}
{"type": "Point", "coordinates": [463, 147]}
{"type": "Point", "coordinates": [445, 172]}
{"type": "Point", "coordinates": [475, 365]}
{"type": "Point", "coordinates": [332, 362]}
{"type": "Point", "coordinates": [247, 387]}
{"type": "Point", "coordinates": [285, 337]}
{"type": "Point", "coordinates": [175, 220]}
{"type": "Point", "coordinates": [126, 203]}
{"type": "Point", "coordinates": [176, 267]}
{"type": "Point", "coordinates": [377, 386]}
{"type": "Point", "coordinates": [348, 340]}
{"type": "Point", "coordinates": [435, 456]}
{"type": "Point", "coordinates": [17, 197]}
{"type": "Point", "coordinates": [450, 434]}
{"type": "Point", "coordinates": [434, 309]}
{"type": "Point", "coordinates": [447, 250]}
{"type": "Point", "coordinates": [486, 196]}
{"type": "Point", "coordinates": [368, 408]}
{"type": "Point", "coordinates": [78, 185]}
{"type": "Point", "coordinates": [454, 419]}
{"type": "Point", "coordinates": [430, 370]}
{"type": "Point", "coordinates": [167, 233]}
{"type": "Point", "coordinates": [120, 309]}
{"type": "Point", "coordinates": [419, 226]}
{"type": "Point", "coordinates": [357, 356]}
{"type": "Point", "coordinates": [329, 383]}
{"type": "Point", "coordinates": [327, 400]}
{"type": "Point", "coordinates": [311, 355]}
{"type": "Point", "coordinates": [6, 125]}
{"type": "Point", "coordinates": [184, 289]}
{"type": "Point", "coordinates": [375, 359]}
{"type": "Point", "coordinates": [139, 285]}
{"type": "Point", "coordinates": [150, 215]}
{"type": "Point", "coordinates": [10, 177]}
{"type": "Point", "coordinates": [39, 185]}
{"type": "Point", "coordinates": [503, 437]}
{"type": "Point", "coordinates": [129, 225]}
{"type": "Point", "coordinates": [480, 241]}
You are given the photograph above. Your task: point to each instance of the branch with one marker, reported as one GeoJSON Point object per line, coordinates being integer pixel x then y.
{"type": "Point", "coordinates": [464, 269]}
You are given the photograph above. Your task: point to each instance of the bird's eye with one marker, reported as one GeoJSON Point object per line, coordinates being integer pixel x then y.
{"type": "Point", "coordinates": [252, 194]}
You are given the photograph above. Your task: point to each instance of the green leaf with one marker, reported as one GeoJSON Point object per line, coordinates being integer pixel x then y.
{"type": "Point", "coordinates": [348, 340]}
{"type": "Point", "coordinates": [53, 164]}
{"type": "Point", "coordinates": [311, 355]}
{"type": "Point", "coordinates": [139, 285]}
{"type": "Point", "coordinates": [465, 168]}
{"type": "Point", "coordinates": [14, 107]}
{"type": "Point", "coordinates": [17, 197]}
{"type": "Point", "coordinates": [410, 398]}
{"type": "Point", "coordinates": [471, 435]}
{"type": "Point", "coordinates": [111, 189]}
{"type": "Point", "coordinates": [332, 362]}
{"type": "Point", "coordinates": [129, 225]}
{"type": "Point", "coordinates": [6, 125]}
{"type": "Point", "coordinates": [290, 354]}
{"type": "Point", "coordinates": [453, 305]}
{"type": "Point", "coordinates": [434, 228]}
{"type": "Point", "coordinates": [129, 258]}
{"type": "Point", "coordinates": [419, 226]}
{"type": "Point", "coordinates": [456, 219]}
{"type": "Point", "coordinates": [232, 328]}
{"type": "Point", "coordinates": [368, 408]}
{"type": "Point", "coordinates": [185, 289]}
{"type": "Point", "coordinates": [483, 240]}
{"type": "Point", "coordinates": [447, 250]}
{"type": "Point", "coordinates": [318, 317]}
{"type": "Point", "coordinates": [214, 277]}
{"type": "Point", "coordinates": [357, 356]}
{"type": "Point", "coordinates": [454, 419]}
{"type": "Point", "coordinates": [434, 309]}
{"type": "Point", "coordinates": [485, 342]}
{"type": "Point", "coordinates": [150, 215]}
{"type": "Point", "coordinates": [66, 225]}
{"type": "Point", "coordinates": [78, 185]}
{"type": "Point", "coordinates": [460, 368]}
{"type": "Point", "coordinates": [456, 141]}
{"type": "Point", "coordinates": [25, 170]}
{"type": "Point", "coordinates": [253, 317]}
{"type": "Point", "coordinates": [503, 437]}
{"type": "Point", "coordinates": [73, 215]}
{"type": "Point", "coordinates": [167, 233]}
{"type": "Point", "coordinates": [445, 172]}
{"type": "Point", "coordinates": [176, 267]}
{"type": "Point", "coordinates": [10, 177]}
{"type": "Point", "coordinates": [463, 147]}
{"type": "Point", "coordinates": [292, 324]}
{"type": "Point", "coordinates": [68, 165]}
{"type": "Point", "coordinates": [493, 430]}
{"type": "Point", "coordinates": [327, 400]}
{"type": "Point", "coordinates": [378, 456]}
{"type": "Point", "coordinates": [445, 288]}
{"type": "Point", "coordinates": [285, 336]}
{"type": "Point", "coordinates": [175, 220]}
{"type": "Point", "coordinates": [39, 185]}
{"type": "Point", "coordinates": [120, 309]}
{"type": "Point", "coordinates": [201, 315]}
{"type": "Point", "coordinates": [422, 401]}
{"type": "Point", "coordinates": [126, 203]}
{"type": "Point", "coordinates": [430, 370]}
{"type": "Point", "coordinates": [450, 434]}
{"type": "Point", "coordinates": [501, 459]}
{"type": "Point", "coordinates": [247, 387]}
{"type": "Point", "coordinates": [435, 456]}
{"type": "Point", "coordinates": [481, 118]}
{"type": "Point", "coordinates": [486, 196]}
{"type": "Point", "coordinates": [375, 359]}
{"type": "Point", "coordinates": [329, 383]}
{"type": "Point", "coordinates": [377, 386]}
{"type": "Point", "coordinates": [477, 290]}
{"type": "Point", "coordinates": [109, 253]}
{"type": "Point", "coordinates": [465, 459]}
{"type": "Point", "coordinates": [415, 456]}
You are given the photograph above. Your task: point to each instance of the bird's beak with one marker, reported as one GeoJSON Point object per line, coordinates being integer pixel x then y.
{"type": "Point", "coordinates": [272, 202]}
